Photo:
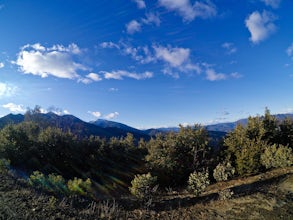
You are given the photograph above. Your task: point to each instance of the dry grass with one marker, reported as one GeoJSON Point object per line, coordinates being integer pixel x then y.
{"type": "Point", "coordinates": [264, 196]}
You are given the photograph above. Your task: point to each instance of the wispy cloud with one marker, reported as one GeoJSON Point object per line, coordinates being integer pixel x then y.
{"type": "Point", "coordinates": [290, 50]}
{"type": "Point", "coordinates": [230, 48]}
{"type": "Point", "coordinates": [109, 45]}
{"type": "Point", "coordinates": [113, 89]}
{"type": "Point", "coordinates": [136, 25]}
{"type": "Point", "coordinates": [260, 25]}
{"type": "Point", "coordinates": [57, 61]}
{"type": "Point", "coordinates": [12, 107]}
{"type": "Point", "coordinates": [272, 3]}
{"type": "Point", "coordinates": [7, 90]}
{"type": "Point", "coordinates": [140, 4]}
{"type": "Point", "coordinates": [133, 26]}
{"type": "Point", "coordinates": [1, 65]}
{"type": "Point", "coordinates": [189, 11]}
{"type": "Point", "coordinates": [112, 115]}
{"type": "Point", "coordinates": [212, 75]}
{"type": "Point", "coordinates": [120, 74]}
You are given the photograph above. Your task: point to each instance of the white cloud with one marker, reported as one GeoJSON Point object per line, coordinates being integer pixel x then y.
{"type": "Point", "coordinates": [57, 61]}
{"type": "Point", "coordinates": [120, 74]}
{"type": "Point", "coordinates": [7, 90]}
{"type": "Point", "coordinates": [152, 18]}
{"type": "Point", "coordinates": [211, 75]}
{"type": "Point", "coordinates": [55, 110]}
{"type": "Point", "coordinates": [201, 9]}
{"type": "Point", "coordinates": [1, 65]}
{"type": "Point", "coordinates": [96, 114]}
{"type": "Point", "coordinates": [140, 4]}
{"type": "Point", "coordinates": [112, 115]}
{"type": "Point", "coordinates": [229, 47]}
{"type": "Point", "coordinates": [175, 56]}
{"type": "Point", "coordinates": [290, 50]}
{"type": "Point", "coordinates": [133, 26]}
{"type": "Point", "coordinates": [91, 77]}
{"type": "Point", "coordinates": [14, 107]}
{"type": "Point", "coordinates": [109, 45]}
{"type": "Point", "coordinates": [272, 3]}
{"type": "Point", "coordinates": [260, 25]}
{"type": "Point", "coordinates": [113, 90]}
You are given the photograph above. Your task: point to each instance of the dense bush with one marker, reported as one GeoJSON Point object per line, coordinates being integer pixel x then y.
{"type": "Point", "coordinates": [38, 179]}
{"type": "Point", "coordinates": [4, 165]}
{"type": "Point", "coordinates": [277, 156]}
{"type": "Point", "coordinates": [223, 171]}
{"type": "Point", "coordinates": [79, 186]}
{"type": "Point", "coordinates": [226, 194]}
{"type": "Point", "coordinates": [143, 185]}
{"type": "Point", "coordinates": [57, 183]}
{"type": "Point", "coordinates": [198, 182]}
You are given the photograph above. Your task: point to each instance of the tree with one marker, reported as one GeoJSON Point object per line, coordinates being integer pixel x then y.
{"type": "Point", "coordinates": [173, 156]}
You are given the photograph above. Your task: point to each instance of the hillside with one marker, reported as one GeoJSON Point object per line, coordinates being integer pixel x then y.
{"type": "Point", "coordinates": [265, 196]}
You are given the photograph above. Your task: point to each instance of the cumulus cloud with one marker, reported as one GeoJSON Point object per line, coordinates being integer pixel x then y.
{"type": "Point", "coordinates": [230, 48]}
{"type": "Point", "coordinates": [14, 107]}
{"type": "Point", "coordinates": [140, 4]}
{"type": "Point", "coordinates": [55, 110]}
{"type": "Point", "coordinates": [112, 115]}
{"type": "Point", "coordinates": [212, 75]}
{"type": "Point", "coordinates": [1, 65]}
{"type": "Point", "coordinates": [57, 61]}
{"type": "Point", "coordinates": [91, 77]}
{"type": "Point", "coordinates": [7, 90]}
{"type": "Point", "coordinates": [189, 11]}
{"type": "Point", "coordinates": [133, 26]}
{"type": "Point", "coordinates": [272, 3]}
{"type": "Point", "coordinates": [120, 74]}
{"type": "Point", "coordinates": [174, 56]}
{"type": "Point", "coordinates": [260, 25]}
{"type": "Point", "coordinates": [96, 114]}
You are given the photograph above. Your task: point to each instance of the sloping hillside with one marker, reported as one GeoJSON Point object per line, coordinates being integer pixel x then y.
{"type": "Point", "coordinates": [264, 196]}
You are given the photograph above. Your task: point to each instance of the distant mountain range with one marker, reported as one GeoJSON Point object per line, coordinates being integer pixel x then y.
{"type": "Point", "coordinates": [108, 129]}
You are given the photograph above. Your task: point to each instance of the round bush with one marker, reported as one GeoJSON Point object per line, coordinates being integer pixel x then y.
{"type": "Point", "coordinates": [198, 182]}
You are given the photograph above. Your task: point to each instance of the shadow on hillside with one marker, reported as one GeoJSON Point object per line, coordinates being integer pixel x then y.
{"type": "Point", "coordinates": [261, 186]}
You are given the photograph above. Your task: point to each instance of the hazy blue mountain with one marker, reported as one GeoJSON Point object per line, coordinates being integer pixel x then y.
{"type": "Point", "coordinates": [11, 119]}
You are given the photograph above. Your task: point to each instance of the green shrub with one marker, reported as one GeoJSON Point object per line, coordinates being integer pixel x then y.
{"type": "Point", "coordinates": [225, 194]}
{"type": "Point", "coordinates": [223, 172]}
{"type": "Point", "coordinates": [57, 183]}
{"type": "Point", "coordinates": [277, 156]}
{"type": "Point", "coordinates": [38, 179]}
{"type": "Point", "coordinates": [143, 185]}
{"type": "Point", "coordinates": [4, 165]}
{"type": "Point", "coordinates": [198, 181]}
{"type": "Point", "coordinates": [79, 186]}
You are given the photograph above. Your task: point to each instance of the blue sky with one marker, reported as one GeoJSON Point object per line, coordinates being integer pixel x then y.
{"type": "Point", "coordinates": [147, 63]}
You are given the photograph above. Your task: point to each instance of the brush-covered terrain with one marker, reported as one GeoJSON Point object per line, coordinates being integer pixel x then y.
{"type": "Point", "coordinates": [47, 172]}
{"type": "Point", "coordinates": [265, 196]}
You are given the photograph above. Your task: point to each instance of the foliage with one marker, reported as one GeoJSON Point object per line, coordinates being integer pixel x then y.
{"type": "Point", "coordinates": [198, 182]}
{"type": "Point", "coordinates": [4, 165]}
{"type": "Point", "coordinates": [143, 185]}
{"type": "Point", "coordinates": [38, 179]}
{"type": "Point", "coordinates": [57, 183]}
{"type": "Point", "coordinates": [79, 186]}
{"type": "Point", "coordinates": [223, 171]}
{"type": "Point", "coordinates": [225, 194]}
{"type": "Point", "coordinates": [173, 156]}
{"type": "Point", "coordinates": [245, 146]}
{"type": "Point", "coordinates": [277, 156]}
